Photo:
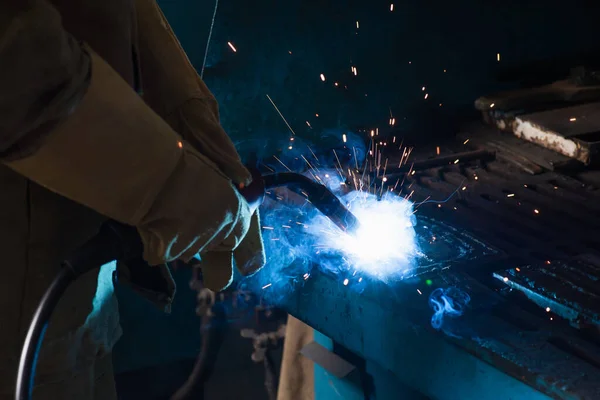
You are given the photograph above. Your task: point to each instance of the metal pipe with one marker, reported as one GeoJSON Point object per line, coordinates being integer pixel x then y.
{"type": "Point", "coordinates": [483, 155]}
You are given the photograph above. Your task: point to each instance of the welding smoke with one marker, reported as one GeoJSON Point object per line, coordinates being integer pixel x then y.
{"type": "Point", "coordinates": [450, 302]}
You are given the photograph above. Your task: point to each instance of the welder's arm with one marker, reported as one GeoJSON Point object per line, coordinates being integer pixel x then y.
{"type": "Point", "coordinates": [173, 88]}
{"type": "Point", "coordinates": [70, 123]}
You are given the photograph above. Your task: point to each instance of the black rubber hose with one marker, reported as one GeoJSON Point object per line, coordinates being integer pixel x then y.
{"type": "Point", "coordinates": [319, 196]}
{"type": "Point", "coordinates": [36, 332]}
{"type": "Point", "coordinates": [120, 242]}
{"type": "Point", "coordinates": [114, 242]}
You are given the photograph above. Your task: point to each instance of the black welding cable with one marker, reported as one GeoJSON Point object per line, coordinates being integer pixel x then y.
{"type": "Point", "coordinates": [37, 329]}
{"type": "Point", "coordinates": [319, 196]}
{"type": "Point", "coordinates": [113, 242]}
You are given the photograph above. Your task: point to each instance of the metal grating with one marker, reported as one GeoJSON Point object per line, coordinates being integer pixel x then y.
{"type": "Point", "coordinates": [535, 308]}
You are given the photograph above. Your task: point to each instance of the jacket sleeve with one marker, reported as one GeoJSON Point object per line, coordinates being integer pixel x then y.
{"type": "Point", "coordinates": [174, 90]}
{"type": "Point", "coordinates": [43, 74]}
{"type": "Point", "coordinates": [102, 146]}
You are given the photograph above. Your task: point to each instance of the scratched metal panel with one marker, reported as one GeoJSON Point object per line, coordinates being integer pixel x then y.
{"type": "Point", "coordinates": [569, 289]}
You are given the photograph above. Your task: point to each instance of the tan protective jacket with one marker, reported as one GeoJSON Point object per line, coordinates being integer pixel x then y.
{"type": "Point", "coordinates": [78, 145]}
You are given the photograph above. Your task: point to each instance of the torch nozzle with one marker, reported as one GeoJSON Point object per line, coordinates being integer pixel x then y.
{"type": "Point", "coordinates": [322, 198]}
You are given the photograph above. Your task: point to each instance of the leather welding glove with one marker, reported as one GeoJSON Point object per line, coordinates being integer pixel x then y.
{"type": "Point", "coordinates": [116, 156]}
{"type": "Point", "coordinates": [173, 88]}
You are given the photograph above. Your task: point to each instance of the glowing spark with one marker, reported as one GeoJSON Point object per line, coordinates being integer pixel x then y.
{"type": "Point", "coordinates": [372, 133]}
{"type": "Point", "coordinates": [548, 262]}
{"type": "Point", "coordinates": [456, 161]}
{"type": "Point", "coordinates": [306, 276]}
{"type": "Point", "coordinates": [391, 7]}
{"type": "Point", "coordinates": [518, 269]}
{"type": "Point", "coordinates": [180, 145]}
{"type": "Point", "coordinates": [267, 285]}
{"type": "Point", "coordinates": [360, 279]}
{"type": "Point", "coordinates": [505, 279]}
{"type": "Point", "coordinates": [437, 150]}
{"type": "Point", "coordinates": [290, 148]}
{"type": "Point", "coordinates": [384, 179]}
{"type": "Point", "coordinates": [317, 115]}
{"type": "Point", "coordinates": [510, 195]}
{"type": "Point", "coordinates": [536, 211]}
{"type": "Point", "coordinates": [419, 291]}
{"type": "Point", "coordinates": [344, 137]}
{"type": "Point", "coordinates": [492, 105]}
{"type": "Point", "coordinates": [466, 141]}
{"type": "Point", "coordinates": [498, 57]}
{"type": "Point", "coordinates": [464, 188]}
{"type": "Point", "coordinates": [281, 115]}
{"type": "Point", "coordinates": [281, 162]}
{"type": "Point", "coordinates": [323, 77]}
{"type": "Point", "coordinates": [573, 119]}
{"type": "Point", "coordinates": [426, 96]}
{"type": "Point", "coordinates": [308, 123]}
{"type": "Point", "coordinates": [547, 309]}
{"type": "Point", "coordinates": [232, 47]}
{"type": "Point", "coordinates": [268, 227]}
{"type": "Point", "coordinates": [346, 282]}
{"type": "Point", "coordinates": [357, 26]}
{"type": "Point", "coordinates": [423, 88]}
{"type": "Point", "coordinates": [335, 83]}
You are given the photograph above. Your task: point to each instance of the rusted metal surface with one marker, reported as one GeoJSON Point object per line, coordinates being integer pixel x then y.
{"type": "Point", "coordinates": [572, 131]}
{"type": "Point", "coordinates": [526, 156]}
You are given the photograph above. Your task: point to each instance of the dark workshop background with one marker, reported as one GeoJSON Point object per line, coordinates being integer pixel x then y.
{"type": "Point", "coordinates": [449, 48]}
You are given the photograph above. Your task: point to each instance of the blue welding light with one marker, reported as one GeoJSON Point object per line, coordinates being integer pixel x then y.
{"type": "Point", "coordinates": [385, 244]}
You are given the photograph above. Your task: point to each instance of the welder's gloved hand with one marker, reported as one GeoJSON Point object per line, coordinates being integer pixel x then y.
{"type": "Point", "coordinates": [177, 92]}
{"type": "Point", "coordinates": [113, 154]}
{"type": "Point", "coordinates": [247, 255]}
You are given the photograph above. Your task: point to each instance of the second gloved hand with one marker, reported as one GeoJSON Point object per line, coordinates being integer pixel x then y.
{"type": "Point", "coordinates": [247, 255]}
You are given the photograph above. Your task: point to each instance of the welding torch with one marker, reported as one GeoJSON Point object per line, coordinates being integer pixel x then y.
{"type": "Point", "coordinates": [119, 242]}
